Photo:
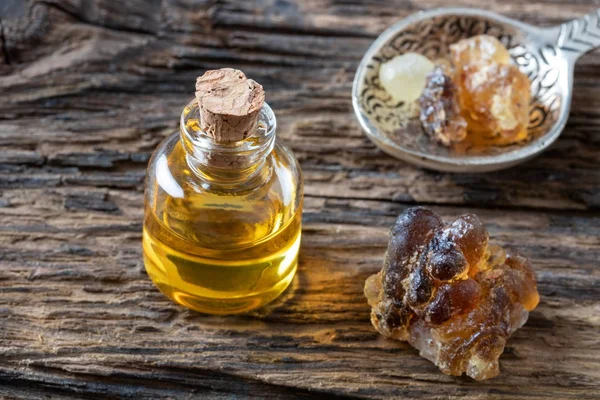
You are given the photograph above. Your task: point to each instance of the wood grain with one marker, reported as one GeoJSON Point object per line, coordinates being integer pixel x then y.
{"type": "Point", "coordinates": [90, 87]}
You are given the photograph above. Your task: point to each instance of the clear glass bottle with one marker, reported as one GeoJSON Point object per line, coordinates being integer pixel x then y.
{"type": "Point", "coordinates": [222, 221]}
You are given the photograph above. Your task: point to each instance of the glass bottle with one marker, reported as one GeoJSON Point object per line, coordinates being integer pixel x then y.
{"type": "Point", "coordinates": [222, 221]}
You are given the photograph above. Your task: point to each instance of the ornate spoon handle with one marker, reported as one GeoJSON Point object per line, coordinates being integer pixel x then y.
{"type": "Point", "coordinates": [579, 36]}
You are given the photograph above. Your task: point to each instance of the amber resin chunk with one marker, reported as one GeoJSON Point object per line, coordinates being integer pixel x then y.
{"type": "Point", "coordinates": [493, 94]}
{"type": "Point", "coordinates": [449, 293]}
{"type": "Point", "coordinates": [440, 111]}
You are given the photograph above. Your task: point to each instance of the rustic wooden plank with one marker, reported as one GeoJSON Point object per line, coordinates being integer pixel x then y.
{"type": "Point", "coordinates": [74, 292]}
{"type": "Point", "coordinates": [89, 88]}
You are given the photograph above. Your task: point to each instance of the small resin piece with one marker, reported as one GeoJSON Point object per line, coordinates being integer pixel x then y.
{"type": "Point", "coordinates": [440, 112]}
{"type": "Point", "coordinates": [493, 94]}
{"type": "Point", "coordinates": [403, 77]}
{"type": "Point", "coordinates": [449, 293]}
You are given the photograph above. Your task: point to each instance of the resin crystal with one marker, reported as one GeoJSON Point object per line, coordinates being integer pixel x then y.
{"type": "Point", "coordinates": [440, 112]}
{"type": "Point", "coordinates": [493, 94]}
{"type": "Point", "coordinates": [449, 293]}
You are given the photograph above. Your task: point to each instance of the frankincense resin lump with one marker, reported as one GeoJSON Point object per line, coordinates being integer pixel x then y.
{"type": "Point", "coordinates": [449, 293]}
{"type": "Point", "coordinates": [493, 94]}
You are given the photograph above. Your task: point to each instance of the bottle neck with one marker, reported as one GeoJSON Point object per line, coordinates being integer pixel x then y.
{"type": "Point", "coordinates": [226, 164]}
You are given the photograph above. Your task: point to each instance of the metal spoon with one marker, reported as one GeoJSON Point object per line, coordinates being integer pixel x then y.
{"type": "Point", "coordinates": [546, 55]}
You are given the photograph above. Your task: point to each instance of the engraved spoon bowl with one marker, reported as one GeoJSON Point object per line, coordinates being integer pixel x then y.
{"type": "Point", "coordinates": [546, 55]}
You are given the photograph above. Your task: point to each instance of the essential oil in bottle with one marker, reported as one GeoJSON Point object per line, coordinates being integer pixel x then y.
{"type": "Point", "coordinates": [223, 202]}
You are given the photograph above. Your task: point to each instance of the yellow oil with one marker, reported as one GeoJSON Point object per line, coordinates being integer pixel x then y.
{"type": "Point", "coordinates": [219, 252]}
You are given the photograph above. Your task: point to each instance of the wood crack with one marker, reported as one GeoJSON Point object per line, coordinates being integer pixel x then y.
{"type": "Point", "coordinates": [156, 382]}
{"type": "Point", "coordinates": [297, 31]}
{"type": "Point", "coordinates": [5, 52]}
{"type": "Point", "coordinates": [80, 19]}
{"type": "Point", "coordinates": [592, 213]}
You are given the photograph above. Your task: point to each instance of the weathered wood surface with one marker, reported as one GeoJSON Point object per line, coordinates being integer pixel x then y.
{"type": "Point", "coordinates": [87, 90]}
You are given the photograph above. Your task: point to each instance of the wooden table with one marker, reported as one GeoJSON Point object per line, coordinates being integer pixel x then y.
{"type": "Point", "coordinates": [89, 88]}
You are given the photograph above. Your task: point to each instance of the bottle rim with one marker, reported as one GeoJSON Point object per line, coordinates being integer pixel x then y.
{"type": "Point", "coordinates": [196, 142]}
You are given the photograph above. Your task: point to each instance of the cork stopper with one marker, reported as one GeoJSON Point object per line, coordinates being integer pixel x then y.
{"type": "Point", "coordinates": [229, 104]}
